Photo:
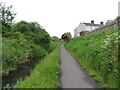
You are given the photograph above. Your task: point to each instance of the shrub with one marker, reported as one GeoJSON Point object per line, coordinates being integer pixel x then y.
{"type": "Point", "coordinates": [13, 53]}
{"type": "Point", "coordinates": [53, 45]}
{"type": "Point", "coordinates": [98, 53]}
{"type": "Point", "coordinates": [33, 31]}
{"type": "Point", "coordinates": [38, 52]}
{"type": "Point", "coordinates": [66, 36]}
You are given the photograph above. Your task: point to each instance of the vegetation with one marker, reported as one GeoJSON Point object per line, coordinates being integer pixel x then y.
{"type": "Point", "coordinates": [0, 54]}
{"type": "Point", "coordinates": [7, 17]}
{"type": "Point", "coordinates": [98, 54]}
{"type": "Point", "coordinates": [55, 38]}
{"type": "Point", "coordinates": [66, 36]}
{"type": "Point", "coordinates": [118, 17]}
{"type": "Point", "coordinates": [45, 74]}
{"type": "Point", "coordinates": [22, 40]}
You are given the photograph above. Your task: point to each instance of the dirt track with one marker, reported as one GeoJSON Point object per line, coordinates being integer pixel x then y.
{"type": "Point", "coordinates": [73, 76]}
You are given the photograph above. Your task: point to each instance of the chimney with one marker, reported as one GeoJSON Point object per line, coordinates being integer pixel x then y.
{"type": "Point", "coordinates": [92, 22]}
{"type": "Point", "coordinates": [101, 23]}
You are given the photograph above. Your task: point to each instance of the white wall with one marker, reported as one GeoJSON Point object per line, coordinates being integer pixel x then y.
{"type": "Point", "coordinates": [81, 27]}
{"type": "Point", "coordinates": [89, 28]}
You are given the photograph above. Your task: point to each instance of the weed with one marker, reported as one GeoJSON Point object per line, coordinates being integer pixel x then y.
{"type": "Point", "coordinates": [98, 54]}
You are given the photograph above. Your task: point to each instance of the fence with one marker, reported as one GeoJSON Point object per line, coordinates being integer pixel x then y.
{"type": "Point", "coordinates": [113, 25]}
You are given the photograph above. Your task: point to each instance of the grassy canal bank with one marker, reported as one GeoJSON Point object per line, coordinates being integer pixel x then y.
{"type": "Point", "coordinates": [45, 74]}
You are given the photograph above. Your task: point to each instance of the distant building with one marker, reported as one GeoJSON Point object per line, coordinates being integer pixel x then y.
{"type": "Point", "coordinates": [108, 22]}
{"type": "Point", "coordinates": [86, 27]}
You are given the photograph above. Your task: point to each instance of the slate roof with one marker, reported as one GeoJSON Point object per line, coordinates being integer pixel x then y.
{"type": "Point", "coordinates": [91, 24]}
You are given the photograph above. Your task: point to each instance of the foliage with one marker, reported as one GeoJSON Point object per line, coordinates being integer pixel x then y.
{"type": "Point", "coordinates": [98, 54]}
{"type": "Point", "coordinates": [22, 40]}
{"type": "Point", "coordinates": [7, 17]}
{"type": "Point", "coordinates": [38, 52]}
{"type": "Point", "coordinates": [45, 74]}
{"type": "Point", "coordinates": [53, 45]}
{"type": "Point", "coordinates": [13, 52]}
{"type": "Point", "coordinates": [0, 54]}
{"type": "Point", "coordinates": [66, 36]}
{"type": "Point", "coordinates": [34, 32]}
{"type": "Point", "coordinates": [55, 38]}
{"type": "Point", "coordinates": [118, 17]}
{"type": "Point", "coordinates": [22, 27]}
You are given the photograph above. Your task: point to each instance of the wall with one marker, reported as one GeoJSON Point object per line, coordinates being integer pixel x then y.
{"type": "Point", "coordinates": [80, 27]}
{"type": "Point", "coordinates": [110, 26]}
{"type": "Point", "coordinates": [89, 28]}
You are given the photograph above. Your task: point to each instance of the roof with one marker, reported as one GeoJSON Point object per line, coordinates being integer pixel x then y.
{"type": "Point", "coordinates": [91, 24]}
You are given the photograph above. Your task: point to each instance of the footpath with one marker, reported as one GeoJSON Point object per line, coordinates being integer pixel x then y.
{"type": "Point", "coordinates": [73, 76]}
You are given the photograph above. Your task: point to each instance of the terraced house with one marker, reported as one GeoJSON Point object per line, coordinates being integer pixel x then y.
{"type": "Point", "coordinates": [86, 27]}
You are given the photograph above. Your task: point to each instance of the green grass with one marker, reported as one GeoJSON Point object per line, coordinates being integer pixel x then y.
{"type": "Point", "coordinates": [13, 53]}
{"type": "Point", "coordinates": [98, 54]}
{"type": "Point", "coordinates": [0, 54]}
{"type": "Point", "coordinates": [45, 74]}
{"type": "Point", "coordinates": [23, 41]}
{"type": "Point", "coordinates": [16, 51]}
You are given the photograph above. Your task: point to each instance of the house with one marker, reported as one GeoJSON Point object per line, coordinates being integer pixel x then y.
{"type": "Point", "coordinates": [86, 27]}
{"type": "Point", "coordinates": [108, 22]}
{"type": "Point", "coordinates": [82, 33]}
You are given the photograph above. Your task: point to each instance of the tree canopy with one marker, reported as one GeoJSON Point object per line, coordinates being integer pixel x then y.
{"type": "Point", "coordinates": [66, 36]}
{"type": "Point", "coordinates": [7, 17]}
{"type": "Point", "coordinates": [55, 38]}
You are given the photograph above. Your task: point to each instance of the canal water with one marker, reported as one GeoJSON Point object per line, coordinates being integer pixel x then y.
{"type": "Point", "coordinates": [23, 70]}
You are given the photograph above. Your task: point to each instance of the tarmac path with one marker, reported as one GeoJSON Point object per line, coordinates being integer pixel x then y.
{"type": "Point", "coordinates": [73, 76]}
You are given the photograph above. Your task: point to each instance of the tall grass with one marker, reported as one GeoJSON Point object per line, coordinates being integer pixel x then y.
{"type": "Point", "coordinates": [45, 74]}
{"type": "Point", "coordinates": [98, 54]}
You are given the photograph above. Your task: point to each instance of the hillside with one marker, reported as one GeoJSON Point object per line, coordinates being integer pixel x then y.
{"type": "Point", "coordinates": [98, 54]}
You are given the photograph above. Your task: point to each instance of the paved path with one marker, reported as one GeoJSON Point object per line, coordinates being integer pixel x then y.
{"type": "Point", "coordinates": [73, 76]}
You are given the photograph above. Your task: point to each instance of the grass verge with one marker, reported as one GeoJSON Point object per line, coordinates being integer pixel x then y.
{"type": "Point", "coordinates": [45, 74]}
{"type": "Point", "coordinates": [98, 54]}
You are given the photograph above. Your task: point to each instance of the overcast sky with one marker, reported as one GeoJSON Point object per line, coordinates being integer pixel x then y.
{"type": "Point", "coordinates": [60, 16]}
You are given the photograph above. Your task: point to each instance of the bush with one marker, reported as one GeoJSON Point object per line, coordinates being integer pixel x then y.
{"type": "Point", "coordinates": [21, 40]}
{"type": "Point", "coordinates": [13, 53]}
{"type": "Point", "coordinates": [33, 31]}
{"type": "Point", "coordinates": [98, 53]}
{"type": "Point", "coordinates": [22, 27]}
{"type": "Point", "coordinates": [25, 40]}
{"type": "Point", "coordinates": [53, 45]}
{"type": "Point", "coordinates": [66, 36]}
{"type": "Point", "coordinates": [38, 52]}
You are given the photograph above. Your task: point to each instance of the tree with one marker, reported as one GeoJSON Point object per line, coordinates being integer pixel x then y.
{"type": "Point", "coordinates": [66, 36]}
{"type": "Point", "coordinates": [55, 38]}
{"type": "Point", "coordinates": [34, 32]}
{"type": "Point", "coordinates": [118, 17]}
{"type": "Point", "coordinates": [6, 18]}
{"type": "Point", "coordinates": [7, 14]}
{"type": "Point", "coordinates": [22, 26]}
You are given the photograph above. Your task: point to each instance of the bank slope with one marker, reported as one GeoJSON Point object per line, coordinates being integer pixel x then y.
{"type": "Point", "coordinates": [98, 54]}
{"type": "Point", "coordinates": [45, 74]}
